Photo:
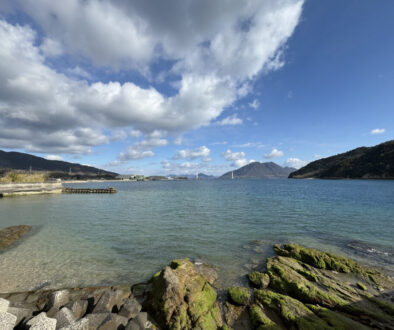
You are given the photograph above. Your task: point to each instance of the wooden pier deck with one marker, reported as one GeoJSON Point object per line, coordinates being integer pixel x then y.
{"type": "Point", "coordinates": [110, 190]}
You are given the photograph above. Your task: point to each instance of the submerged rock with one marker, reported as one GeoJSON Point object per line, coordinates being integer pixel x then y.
{"type": "Point", "coordinates": [10, 235]}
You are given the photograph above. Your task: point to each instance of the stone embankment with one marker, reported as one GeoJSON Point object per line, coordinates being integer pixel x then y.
{"type": "Point", "coordinates": [15, 189]}
{"type": "Point", "coordinates": [300, 288]}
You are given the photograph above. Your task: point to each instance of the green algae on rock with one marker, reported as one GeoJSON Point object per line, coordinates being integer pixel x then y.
{"type": "Point", "coordinates": [239, 295]}
{"type": "Point", "coordinates": [259, 280]}
{"type": "Point", "coordinates": [183, 299]}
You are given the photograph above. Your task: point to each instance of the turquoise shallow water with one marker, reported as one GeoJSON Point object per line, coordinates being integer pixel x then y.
{"type": "Point", "coordinates": [80, 240]}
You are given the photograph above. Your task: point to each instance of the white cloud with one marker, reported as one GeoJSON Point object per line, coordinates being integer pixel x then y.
{"type": "Point", "coordinates": [237, 159]}
{"type": "Point", "coordinates": [230, 120]}
{"type": "Point", "coordinates": [135, 133]}
{"type": "Point", "coordinates": [295, 162]}
{"type": "Point", "coordinates": [201, 152]}
{"type": "Point", "coordinates": [51, 47]}
{"type": "Point", "coordinates": [142, 149]}
{"type": "Point", "coordinates": [255, 104]}
{"type": "Point", "coordinates": [275, 153]}
{"type": "Point", "coordinates": [378, 131]}
{"type": "Point", "coordinates": [54, 157]}
{"type": "Point", "coordinates": [78, 72]}
{"type": "Point", "coordinates": [179, 140]}
{"type": "Point", "coordinates": [215, 60]}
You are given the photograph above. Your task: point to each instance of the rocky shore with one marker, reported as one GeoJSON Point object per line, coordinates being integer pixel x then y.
{"type": "Point", "coordinates": [300, 288]}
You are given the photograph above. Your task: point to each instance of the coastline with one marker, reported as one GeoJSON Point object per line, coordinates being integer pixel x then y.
{"type": "Point", "coordinates": [18, 189]}
{"type": "Point", "coordinates": [299, 288]}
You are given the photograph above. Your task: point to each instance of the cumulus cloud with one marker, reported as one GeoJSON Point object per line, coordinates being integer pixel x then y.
{"type": "Point", "coordinates": [201, 152]}
{"type": "Point", "coordinates": [378, 131]}
{"type": "Point", "coordinates": [135, 133]}
{"type": "Point", "coordinates": [230, 120]}
{"type": "Point", "coordinates": [275, 153]}
{"type": "Point", "coordinates": [237, 159]}
{"type": "Point", "coordinates": [54, 157]}
{"type": "Point", "coordinates": [295, 162]}
{"type": "Point", "coordinates": [215, 55]}
{"type": "Point", "coordinates": [142, 149]}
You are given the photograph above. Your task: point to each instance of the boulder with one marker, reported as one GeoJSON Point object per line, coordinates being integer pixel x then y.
{"type": "Point", "coordinates": [64, 318]}
{"type": "Point", "coordinates": [113, 321]}
{"type": "Point", "coordinates": [130, 308]}
{"type": "Point", "coordinates": [182, 298]}
{"type": "Point", "coordinates": [4, 305]}
{"type": "Point", "coordinates": [20, 313]}
{"type": "Point", "coordinates": [10, 235]}
{"type": "Point", "coordinates": [140, 322]}
{"type": "Point", "coordinates": [95, 320]}
{"type": "Point", "coordinates": [259, 280]}
{"type": "Point", "coordinates": [82, 324]}
{"type": "Point", "coordinates": [7, 321]}
{"type": "Point", "coordinates": [58, 299]}
{"type": "Point", "coordinates": [78, 308]}
{"type": "Point", "coordinates": [109, 299]}
{"type": "Point", "coordinates": [41, 322]}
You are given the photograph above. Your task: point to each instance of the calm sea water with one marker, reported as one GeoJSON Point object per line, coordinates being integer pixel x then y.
{"type": "Point", "coordinates": [80, 240]}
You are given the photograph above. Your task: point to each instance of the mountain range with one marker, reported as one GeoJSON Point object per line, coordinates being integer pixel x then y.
{"type": "Point", "coordinates": [260, 170]}
{"type": "Point", "coordinates": [362, 163]}
{"type": "Point", "coordinates": [23, 161]}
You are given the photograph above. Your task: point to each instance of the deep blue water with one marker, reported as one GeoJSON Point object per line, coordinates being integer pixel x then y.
{"type": "Point", "coordinates": [126, 237]}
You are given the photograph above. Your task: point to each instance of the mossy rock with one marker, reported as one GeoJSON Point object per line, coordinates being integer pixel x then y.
{"type": "Point", "coordinates": [259, 280]}
{"type": "Point", "coordinates": [183, 299]}
{"type": "Point", "coordinates": [239, 295]}
{"type": "Point", "coordinates": [260, 320]}
{"type": "Point", "coordinates": [361, 286]}
{"type": "Point", "coordinates": [293, 313]}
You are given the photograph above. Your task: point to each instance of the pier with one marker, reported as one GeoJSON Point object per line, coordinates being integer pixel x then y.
{"type": "Point", "coordinates": [110, 190]}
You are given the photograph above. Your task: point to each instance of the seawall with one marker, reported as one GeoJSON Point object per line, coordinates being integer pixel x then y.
{"type": "Point", "coordinates": [15, 189]}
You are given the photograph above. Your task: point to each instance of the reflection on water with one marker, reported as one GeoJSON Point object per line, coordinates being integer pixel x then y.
{"type": "Point", "coordinates": [80, 240]}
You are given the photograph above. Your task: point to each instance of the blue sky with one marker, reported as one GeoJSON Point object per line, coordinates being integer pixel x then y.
{"type": "Point", "coordinates": [203, 86]}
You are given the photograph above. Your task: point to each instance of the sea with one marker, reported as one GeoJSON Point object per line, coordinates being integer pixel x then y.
{"type": "Point", "coordinates": [80, 240]}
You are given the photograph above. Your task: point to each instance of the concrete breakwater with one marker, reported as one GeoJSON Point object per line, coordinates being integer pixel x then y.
{"type": "Point", "coordinates": [14, 189]}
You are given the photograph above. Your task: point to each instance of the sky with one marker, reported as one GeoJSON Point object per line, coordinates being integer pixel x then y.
{"type": "Point", "coordinates": [180, 87]}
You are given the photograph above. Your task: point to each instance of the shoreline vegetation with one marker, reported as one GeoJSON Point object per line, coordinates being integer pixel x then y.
{"type": "Point", "coordinates": [298, 288]}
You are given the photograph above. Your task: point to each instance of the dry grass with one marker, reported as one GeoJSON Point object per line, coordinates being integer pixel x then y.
{"type": "Point", "coordinates": [23, 177]}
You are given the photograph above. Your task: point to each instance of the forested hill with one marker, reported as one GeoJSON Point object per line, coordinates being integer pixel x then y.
{"type": "Point", "coordinates": [362, 163]}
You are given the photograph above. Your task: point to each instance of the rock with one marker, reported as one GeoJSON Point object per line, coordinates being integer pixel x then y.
{"type": "Point", "coordinates": [64, 318]}
{"type": "Point", "coordinates": [113, 321]}
{"type": "Point", "coordinates": [138, 290]}
{"type": "Point", "coordinates": [95, 320]}
{"type": "Point", "coordinates": [236, 316]}
{"type": "Point", "coordinates": [78, 308]}
{"type": "Point", "coordinates": [130, 308]}
{"type": "Point", "coordinates": [4, 305]}
{"type": "Point", "coordinates": [7, 321]}
{"type": "Point", "coordinates": [58, 299]}
{"type": "Point", "coordinates": [260, 319]}
{"type": "Point", "coordinates": [140, 322]}
{"type": "Point", "coordinates": [361, 286]}
{"type": "Point", "coordinates": [20, 313]}
{"type": "Point", "coordinates": [10, 235]}
{"type": "Point", "coordinates": [239, 295]}
{"type": "Point", "coordinates": [182, 298]}
{"type": "Point", "coordinates": [259, 280]}
{"type": "Point", "coordinates": [109, 299]}
{"type": "Point", "coordinates": [41, 322]}
{"type": "Point", "coordinates": [82, 324]}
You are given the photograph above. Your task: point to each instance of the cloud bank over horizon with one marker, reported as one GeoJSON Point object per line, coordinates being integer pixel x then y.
{"type": "Point", "coordinates": [204, 56]}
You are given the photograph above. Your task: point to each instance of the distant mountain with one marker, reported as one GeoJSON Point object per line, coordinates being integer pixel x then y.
{"type": "Point", "coordinates": [203, 176]}
{"type": "Point", "coordinates": [22, 161]}
{"type": "Point", "coordinates": [260, 170]}
{"type": "Point", "coordinates": [362, 163]}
